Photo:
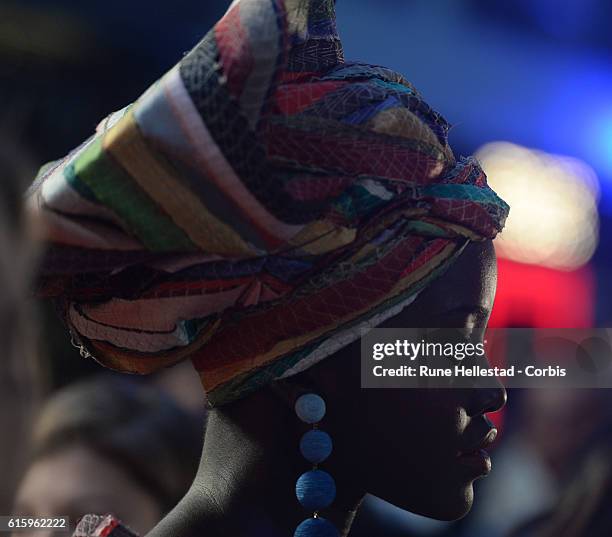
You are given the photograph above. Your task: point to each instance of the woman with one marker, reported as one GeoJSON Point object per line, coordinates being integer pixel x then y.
{"type": "Point", "coordinates": [254, 211]}
{"type": "Point", "coordinates": [112, 445]}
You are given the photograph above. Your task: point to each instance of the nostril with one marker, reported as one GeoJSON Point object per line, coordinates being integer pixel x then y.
{"type": "Point", "coordinates": [488, 400]}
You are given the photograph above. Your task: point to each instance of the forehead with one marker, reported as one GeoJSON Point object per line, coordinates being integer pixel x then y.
{"type": "Point", "coordinates": [468, 284]}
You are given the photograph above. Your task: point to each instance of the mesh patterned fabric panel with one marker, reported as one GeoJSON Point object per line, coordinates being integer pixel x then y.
{"type": "Point", "coordinates": [101, 526]}
{"type": "Point", "coordinates": [258, 207]}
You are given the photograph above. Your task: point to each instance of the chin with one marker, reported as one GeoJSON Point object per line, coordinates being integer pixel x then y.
{"type": "Point", "coordinates": [445, 505]}
{"type": "Point", "coordinates": [452, 506]}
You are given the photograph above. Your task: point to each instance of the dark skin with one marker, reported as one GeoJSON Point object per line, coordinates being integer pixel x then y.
{"type": "Point", "coordinates": [400, 445]}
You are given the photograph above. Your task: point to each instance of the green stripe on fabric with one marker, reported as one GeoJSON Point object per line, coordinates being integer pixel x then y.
{"type": "Point", "coordinates": [464, 192]}
{"type": "Point", "coordinates": [77, 185]}
{"type": "Point", "coordinates": [115, 189]}
{"type": "Point", "coordinates": [356, 202]}
{"type": "Point", "coordinates": [392, 86]}
{"type": "Point", "coordinates": [425, 229]}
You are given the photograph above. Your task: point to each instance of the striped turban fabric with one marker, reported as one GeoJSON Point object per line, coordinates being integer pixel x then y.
{"type": "Point", "coordinates": [257, 208]}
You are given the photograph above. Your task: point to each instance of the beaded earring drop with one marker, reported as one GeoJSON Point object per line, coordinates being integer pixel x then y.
{"type": "Point", "coordinates": [315, 489]}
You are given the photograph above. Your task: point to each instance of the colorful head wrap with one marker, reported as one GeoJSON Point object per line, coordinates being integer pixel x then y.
{"type": "Point", "coordinates": [257, 207]}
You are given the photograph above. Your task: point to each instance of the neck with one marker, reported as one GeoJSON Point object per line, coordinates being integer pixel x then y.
{"type": "Point", "coordinates": [245, 486]}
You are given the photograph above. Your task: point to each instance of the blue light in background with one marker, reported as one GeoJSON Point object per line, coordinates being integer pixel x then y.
{"type": "Point", "coordinates": [602, 139]}
{"type": "Point", "coordinates": [493, 81]}
{"type": "Point", "coordinates": [579, 111]}
{"type": "Point", "coordinates": [568, 18]}
{"type": "Point", "coordinates": [579, 119]}
{"type": "Point", "coordinates": [603, 135]}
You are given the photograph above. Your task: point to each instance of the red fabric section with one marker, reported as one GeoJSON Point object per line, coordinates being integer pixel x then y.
{"type": "Point", "coordinates": [201, 287]}
{"type": "Point", "coordinates": [257, 334]}
{"type": "Point", "coordinates": [290, 77]}
{"type": "Point", "coordinates": [234, 51]}
{"type": "Point", "coordinates": [466, 213]}
{"type": "Point", "coordinates": [293, 99]}
{"type": "Point", "coordinates": [309, 188]}
{"type": "Point", "coordinates": [112, 524]}
{"type": "Point", "coordinates": [352, 155]}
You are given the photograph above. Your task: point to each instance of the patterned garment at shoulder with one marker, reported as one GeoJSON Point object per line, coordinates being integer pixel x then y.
{"type": "Point", "coordinates": [102, 526]}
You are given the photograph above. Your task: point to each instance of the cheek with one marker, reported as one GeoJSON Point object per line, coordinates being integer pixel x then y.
{"type": "Point", "coordinates": [409, 442]}
{"type": "Point", "coordinates": [446, 409]}
{"type": "Point", "coordinates": [414, 421]}
{"type": "Point", "coordinates": [412, 436]}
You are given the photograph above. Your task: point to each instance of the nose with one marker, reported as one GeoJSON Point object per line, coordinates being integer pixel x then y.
{"type": "Point", "coordinates": [490, 399]}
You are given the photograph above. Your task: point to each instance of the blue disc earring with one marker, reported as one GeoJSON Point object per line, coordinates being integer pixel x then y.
{"type": "Point", "coordinates": [315, 489]}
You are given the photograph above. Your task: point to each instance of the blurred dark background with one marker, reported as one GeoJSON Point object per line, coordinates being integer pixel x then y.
{"type": "Point", "coordinates": [527, 86]}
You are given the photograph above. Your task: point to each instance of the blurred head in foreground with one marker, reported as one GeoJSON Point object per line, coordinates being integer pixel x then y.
{"type": "Point", "coordinates": [109, 445]}
{"type": "Point", "coordinates": [20, 381]}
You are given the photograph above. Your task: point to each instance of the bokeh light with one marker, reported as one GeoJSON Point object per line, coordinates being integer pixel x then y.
{"type": "Point", "coordinates": [603, 138]}
{"type": "Point", "coordinates": [553, 220]}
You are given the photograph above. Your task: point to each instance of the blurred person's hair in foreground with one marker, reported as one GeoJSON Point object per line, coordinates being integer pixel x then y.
{"type": "Point", "coordinates": [18, 377]}
{"type": "Point", "coordinates": [111, 445]}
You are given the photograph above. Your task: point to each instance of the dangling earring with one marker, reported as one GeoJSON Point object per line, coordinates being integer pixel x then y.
{"type": "Point", "coordinates": [315, 489]}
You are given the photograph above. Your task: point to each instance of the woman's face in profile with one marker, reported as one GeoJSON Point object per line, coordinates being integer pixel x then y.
{"type": "Point", "coordinates": [419, 449]}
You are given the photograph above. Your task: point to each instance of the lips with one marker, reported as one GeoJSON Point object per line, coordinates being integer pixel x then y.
{"type": "Point", "coordinates": [476, 457]}
{"type": "Point", "coordinates": [483, 443]}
